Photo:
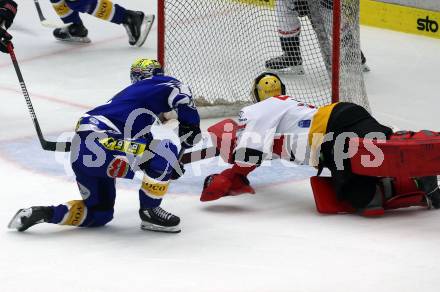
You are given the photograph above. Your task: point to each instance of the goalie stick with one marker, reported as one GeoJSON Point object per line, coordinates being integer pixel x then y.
{"type": "Point", "coordinates": [46, 145]}
{"type": "Point", "coordinates": [43, 20]}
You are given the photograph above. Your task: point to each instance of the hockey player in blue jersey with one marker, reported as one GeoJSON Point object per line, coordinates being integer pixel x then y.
{"type": "Point", "coordinates": [136, 23]}
{"type": "Point", "coordinates": [113, 141]}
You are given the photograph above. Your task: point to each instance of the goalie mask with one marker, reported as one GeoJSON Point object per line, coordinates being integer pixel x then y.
{"type": "Point", "coordinates": [267, 85]}
{"type": "Point", "coordinates": [144, 68]}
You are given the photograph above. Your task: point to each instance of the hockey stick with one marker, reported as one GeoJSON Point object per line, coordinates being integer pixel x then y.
{"type": "Point", "coordinates": [198, 155]}
{"type": "Point", "coordinates": [43, 20]}
{"type": "Point", "coordinates": [40, 13]}
{"type": "Point", "coordinates": [46, 145]}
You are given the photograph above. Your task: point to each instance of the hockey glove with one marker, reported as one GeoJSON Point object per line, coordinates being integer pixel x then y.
{"type": "Point", "coordinates": [5, 37]}
{"type": "Point", "coordinates": [189, 135]}
{"type": "Point", "coordinates": [230, 182]}
{"type": "Point", "coordinates": [8, 9]}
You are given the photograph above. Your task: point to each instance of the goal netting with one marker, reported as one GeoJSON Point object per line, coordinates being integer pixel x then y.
{"type": "Point", "coordinates": [218, 47]}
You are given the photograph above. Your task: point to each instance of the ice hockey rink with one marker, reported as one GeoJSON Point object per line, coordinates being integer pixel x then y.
{"type": "Point", "coordinates": [271, 241]}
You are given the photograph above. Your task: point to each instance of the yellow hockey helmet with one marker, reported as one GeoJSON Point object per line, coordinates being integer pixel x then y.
{"type": "Point", "coordinates": [267, 85]}
{"type": "Point", "coordinates": [144, 68]}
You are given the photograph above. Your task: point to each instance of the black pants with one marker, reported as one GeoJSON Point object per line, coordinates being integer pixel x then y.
{"type": "Point", "coordinates": [348, 117]}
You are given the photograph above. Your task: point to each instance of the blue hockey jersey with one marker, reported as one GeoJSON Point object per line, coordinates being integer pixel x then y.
{"type": "Point", "coordinates": [139, 104]}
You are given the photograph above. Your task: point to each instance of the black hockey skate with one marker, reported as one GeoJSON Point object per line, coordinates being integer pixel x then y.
{"type": "Point", "coordinates": [75, 32]}
{"type": "Point", "coordinates": [138, 26]}
{"type": "Point", "coordinates": [157, 219]}
{"type": "Point", "coordinates": [429, 185]}
{"type": "Point", "coordinates": [26, 218]}
{"type": "Point", "coordinates": [283, 62]}
{"type": "Point", "coordinates": [290, 60]}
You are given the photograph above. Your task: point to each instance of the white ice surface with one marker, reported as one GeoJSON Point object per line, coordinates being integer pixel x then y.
{"type": "Point", "coordinates": [272, 241]}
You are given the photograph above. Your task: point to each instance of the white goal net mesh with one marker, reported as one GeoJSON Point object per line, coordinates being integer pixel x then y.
{"type": "Point", "coordinates": [218, 47]}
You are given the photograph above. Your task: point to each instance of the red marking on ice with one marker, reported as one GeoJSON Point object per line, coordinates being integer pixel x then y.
{"type": "Point", "coordinates": [48, 98]}
{"type": "Point", "coordinates": [75, 47]}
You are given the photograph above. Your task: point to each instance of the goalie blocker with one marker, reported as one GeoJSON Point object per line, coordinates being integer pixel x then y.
{"type": "Point", "coordinates": [378, 174]}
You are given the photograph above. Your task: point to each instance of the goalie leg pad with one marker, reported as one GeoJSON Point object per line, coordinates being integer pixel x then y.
{"type": "Point", "coordinates": [325, 197]}
{"type": "Point", "coordinates": [406, 194]}
{"type": "Point", "coordinates": [405, 154]}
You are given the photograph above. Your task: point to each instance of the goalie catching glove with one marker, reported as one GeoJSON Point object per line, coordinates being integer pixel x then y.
{"type": "Point", "coordinates": [230, 182]}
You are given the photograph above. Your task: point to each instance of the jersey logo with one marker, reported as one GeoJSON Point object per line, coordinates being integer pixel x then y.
{"type": "Point", "coordinates": [118, 168]}
{"type": "Point", "coordinates": [241, 117]}
{"type": "Point", "coordinates": [304, 123]}
{"type": "Point", "coordinates": [125, 146]}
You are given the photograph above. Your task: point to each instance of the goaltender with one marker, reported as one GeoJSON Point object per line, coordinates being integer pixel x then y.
{"type": "Point", "coordinates": [320, 137]}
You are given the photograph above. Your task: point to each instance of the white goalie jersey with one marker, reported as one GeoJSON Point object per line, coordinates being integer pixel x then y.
{"type": "Point", "coordinates": [271, 118]}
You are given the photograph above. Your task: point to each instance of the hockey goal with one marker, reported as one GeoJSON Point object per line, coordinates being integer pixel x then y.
{"type": "Point", "coordinates": [218, 47]}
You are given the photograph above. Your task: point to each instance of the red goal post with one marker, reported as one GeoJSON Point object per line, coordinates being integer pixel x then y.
{"type": "Point", "coordinates": [218, 47]}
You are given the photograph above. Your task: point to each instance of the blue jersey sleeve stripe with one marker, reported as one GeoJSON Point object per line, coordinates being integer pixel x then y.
{"type": "Point", "coordinates": [176, 98]}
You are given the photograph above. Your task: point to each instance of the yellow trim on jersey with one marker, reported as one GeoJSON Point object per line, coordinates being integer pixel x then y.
{"type": "Point", "coordinates": [104, 9]}
{"type": "Point", "coordinates": [400, 18]}
{"type": "Point", "coordinates": [61, 8]}
{"type": "Point", "coordinates": [76, 214]}
{"type": "Point", "coordinates": [317, 131]}
{"type": "Point", "coordinates": [124, 146]}
{"type": "Point", "coordinates": [320, 121]}
{"type": "Point", "coordinates": [154, 188]}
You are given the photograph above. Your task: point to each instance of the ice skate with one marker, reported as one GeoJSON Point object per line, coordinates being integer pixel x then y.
{"type": "Point", "coordinates": [138, 27]}
{"type": "Point", "coordinates": [286, 63]}
{"type": "Point", "coordinates": [429, 185]}
{"type": "Point", "coordinates": [75, 32]}
{"type": "Point", "coordinates": [26, 218]}
{"type": "Point", "coordinates": [291, 60]}
{"type": "Point", "coordinates": [157, 219]}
